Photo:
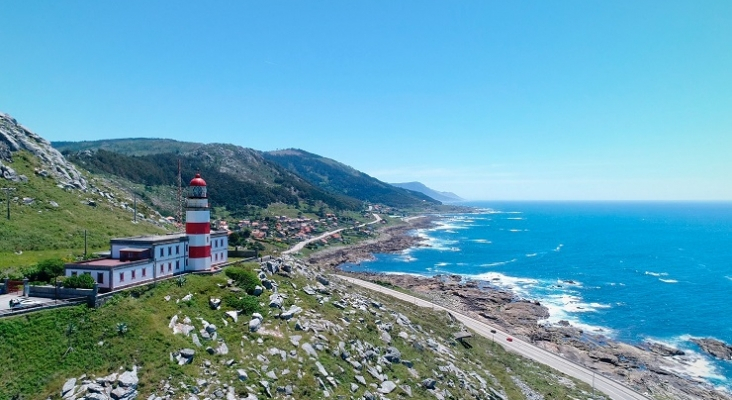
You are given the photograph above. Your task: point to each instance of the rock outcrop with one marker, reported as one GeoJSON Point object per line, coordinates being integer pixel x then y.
{"type": "Point", "coordinates": [15, 137]}
{"type": "Point", "coordinates": [715, 348]}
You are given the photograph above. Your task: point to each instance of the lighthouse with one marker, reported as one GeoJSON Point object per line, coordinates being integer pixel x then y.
{"type": "Point", "coordinates": [198, 226]}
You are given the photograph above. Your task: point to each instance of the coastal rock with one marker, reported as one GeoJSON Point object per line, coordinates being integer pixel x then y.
{"type": "Point", "coordinates": [715, 348]}
{"type": "Point", "coordinates": [15, 137]}
{"type": "Point", "coordinates": [68, 386]}
{"type": "Point", "coordinates": [255, 324]}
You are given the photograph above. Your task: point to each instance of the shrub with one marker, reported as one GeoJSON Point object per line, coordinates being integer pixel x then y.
{"type": "Point", "coordinates": [83, 281]}
{"type": "Point", "coordinates": [244, 278]}
{"type": "Point", "coordinates": [246, 304]}
{"type": "Point", "coordinates": [45, 270]}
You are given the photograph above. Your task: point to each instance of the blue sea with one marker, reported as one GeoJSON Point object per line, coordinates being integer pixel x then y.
{"type": "Point", "coordinates": [633, 271]}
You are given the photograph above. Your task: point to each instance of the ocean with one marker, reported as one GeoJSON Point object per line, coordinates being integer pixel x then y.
{"type": "Point", "coordinates": [633, 271]}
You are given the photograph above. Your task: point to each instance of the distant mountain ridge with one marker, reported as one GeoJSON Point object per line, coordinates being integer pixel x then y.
{"type": "Point", "coordinates": [420, 187]}
{"type": "Point", "coordinates": [246, 176]}
{"type": "Point", "coordinates": [337, 177]}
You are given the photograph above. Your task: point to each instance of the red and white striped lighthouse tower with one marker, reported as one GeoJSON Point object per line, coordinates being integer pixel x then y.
{"type": "Point", "coordinates": [198, 226]}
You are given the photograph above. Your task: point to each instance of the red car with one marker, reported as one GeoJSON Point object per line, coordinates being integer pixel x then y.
{"type": "Point", "coordinates": [509, 339]}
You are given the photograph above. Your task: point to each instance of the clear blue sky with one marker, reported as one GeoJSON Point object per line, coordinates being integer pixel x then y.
{"type": "Point", "coordinates": [488, 99]}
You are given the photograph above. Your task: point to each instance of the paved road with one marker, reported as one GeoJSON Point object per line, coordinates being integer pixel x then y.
{"type": "Point", "coordinates": [304, 243]}
{"type": "Point", "coordinates": [5, 300]}
{"type": "Point", "coordinates": [614, 389]}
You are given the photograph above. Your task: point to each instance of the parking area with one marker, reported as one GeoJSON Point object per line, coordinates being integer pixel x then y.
{"type": "Point", "coordinates": [5, 300]}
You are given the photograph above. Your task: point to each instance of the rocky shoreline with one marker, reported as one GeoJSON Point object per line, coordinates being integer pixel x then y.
{"type": "Point", "coordinates": [651, 368]}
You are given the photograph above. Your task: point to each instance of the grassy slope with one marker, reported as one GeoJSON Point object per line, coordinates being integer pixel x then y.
{"type": "Point", "coordinates": [40, 230]}
{"type": "Point", "coordinates": [33, 345]}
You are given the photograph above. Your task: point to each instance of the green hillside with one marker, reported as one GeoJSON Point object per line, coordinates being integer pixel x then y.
{"type": "Point", "coordinates": [304, 175]}
{"type": "Point", "coordinates": [42, 350]}
{"type": "Point", "coordinates": [336, 177]}
{"type": "Point", "coordinates": [130, 147]}
{"type": "Point", "coordinates": [237, 178]}
{"type": "Point", "coordinates": [50, 221]}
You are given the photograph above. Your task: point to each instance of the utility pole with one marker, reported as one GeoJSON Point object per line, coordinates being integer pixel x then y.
{"type": "Point", "coordinates": [7, 192]}
{"type": "Point", "coordinates": [134, 218]}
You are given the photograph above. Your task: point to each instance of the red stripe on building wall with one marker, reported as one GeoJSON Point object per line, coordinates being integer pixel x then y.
{"type": "Point", "coordinates": [199, 252]}
{"type": "Point", "coordinates": [198, 228]}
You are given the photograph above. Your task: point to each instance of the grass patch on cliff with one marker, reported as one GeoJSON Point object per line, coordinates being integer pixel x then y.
{"type": "Point", "coordinates": [43, 349]}
{"type": "Point", "coordinates": [41, 229]}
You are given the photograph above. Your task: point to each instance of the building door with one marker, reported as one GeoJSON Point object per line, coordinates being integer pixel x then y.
{"type": "Point", "coordinates": [15, 287]}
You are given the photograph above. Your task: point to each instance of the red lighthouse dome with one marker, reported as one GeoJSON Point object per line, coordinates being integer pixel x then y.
{"type": "Point", "coordinates": [197, 181]}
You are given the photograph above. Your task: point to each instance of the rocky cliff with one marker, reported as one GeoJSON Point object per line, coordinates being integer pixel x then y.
{"type": "Point", "coordinates": [15, 137]}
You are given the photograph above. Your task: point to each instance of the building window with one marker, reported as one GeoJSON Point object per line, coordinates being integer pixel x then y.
{"type": "Point", "coordinates": [170, 267]}
{"type": "Point", "coordinates": [121, 276]}
{"type": "Point", "coordinates": [177, 265]}
{"type": "Point", "coordinates": [133, 274]}
{"type": "Point", "coordinates": [74, 273]}
{"type": "Point", "coordinates": [162, 252]}
{"type": "Point", "coordinates": [162, 268]}
{"type": "Point", "coordinates": [144, 272]}
{"type": "Point", "coordinates": [186, 262]}
{"type": "Point", "coordinates": [177, 249]}
{"type": "Point", "coordinates": [170, 250]}
{"type": "Point", "coordinates": [100, 277]}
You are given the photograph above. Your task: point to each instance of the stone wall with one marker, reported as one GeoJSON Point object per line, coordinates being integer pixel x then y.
{"type": "Point", "coordinates": [52, 292]}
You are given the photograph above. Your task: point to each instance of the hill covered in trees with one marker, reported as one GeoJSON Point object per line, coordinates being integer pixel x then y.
{"type": "Point", "coordinates": [238, 178]}
{"type": "Point", "coordinates": [337, 177]}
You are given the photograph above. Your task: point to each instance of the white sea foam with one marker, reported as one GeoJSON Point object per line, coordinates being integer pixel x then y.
{"type": "Point", "coordinates": [486, 241]}
{"type": "Point", "coordinates": [518, 230]}
{"type": "Point", "coordinates": [442, 264]}
{"type": "Point", "coordinates": [499, 263]}
{"type": "Point", "coordinates": [406, 273]}
{"type": "Point", "coordinates": [520, 286]}
{"type": "Point", "coordinates": [516, 218]}
{"type": "Point", "coordinates": [668, 280]}
{"type": "Point", "coordinates": [656, 273]}
{"type": "Point", "coordinates": [565, 307]}
{"type": "Point", "coordinates": [532, 255]}
{"type": "Point", "coordinates": [559, 247]}
{"type": "Point", "coordinates": [692, 363]}
{"type": "Point", "coordinates": [435, 243]}
{"type": "Point", "coordinates": [728, 277]}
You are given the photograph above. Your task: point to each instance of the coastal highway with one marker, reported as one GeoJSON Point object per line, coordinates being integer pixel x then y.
{"type": "Point", "coordinates": [609, 387]}
{"type": "Point", "coordinates": [304, 243]}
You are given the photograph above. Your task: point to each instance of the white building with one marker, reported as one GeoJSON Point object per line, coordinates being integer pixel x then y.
{"type": "Point", "coordinates": [136, 260]}
{"type": "Point", "coordinates": [141, 259]}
